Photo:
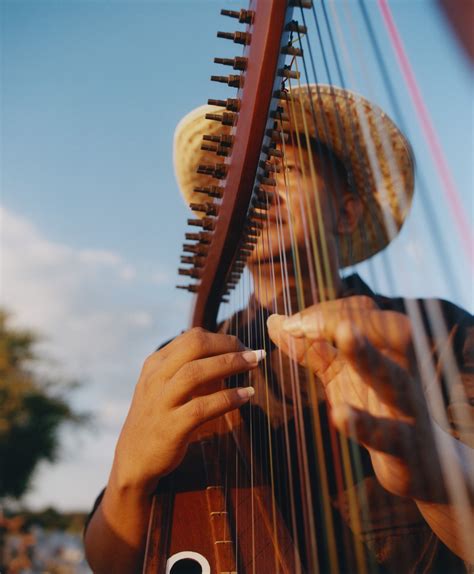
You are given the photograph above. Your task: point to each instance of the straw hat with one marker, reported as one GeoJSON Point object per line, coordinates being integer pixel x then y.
{"type": "Point", "coordinates": [377, 156]}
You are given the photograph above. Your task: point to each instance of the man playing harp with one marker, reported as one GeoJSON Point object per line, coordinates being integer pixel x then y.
{"type": "Point", "coordinates": [391, 374]}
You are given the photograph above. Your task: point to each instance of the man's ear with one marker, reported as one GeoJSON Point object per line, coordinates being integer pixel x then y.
{"type": "Point", "coordinates": [349, 214]}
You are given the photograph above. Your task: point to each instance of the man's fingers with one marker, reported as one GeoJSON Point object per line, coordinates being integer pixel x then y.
{"type": "Point", "coordinates": [385, 435]}
{"type": "Point", "coordinates": [385, 329]}
{"type": "Point", "coordinates": [194, 344]}
{"type": "Point", "coordinates": [202, 409]}
{"type": "Point", "coordinates": [317, 355]}
{"type": "Point", "coordinates": [194, 377]}
{"type": "Point", "coordinates": [393, 385]}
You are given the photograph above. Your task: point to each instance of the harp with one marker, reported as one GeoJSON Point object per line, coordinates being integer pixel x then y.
{"type": "Point", "coordinates": [222, 510]}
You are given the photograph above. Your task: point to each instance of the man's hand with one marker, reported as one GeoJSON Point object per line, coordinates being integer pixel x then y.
{"type": "Point", "coordinates": [364, 358]}
{"type": "Point", "coordinates": [179, 389]}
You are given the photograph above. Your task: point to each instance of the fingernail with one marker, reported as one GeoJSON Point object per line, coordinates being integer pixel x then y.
{"type": "Point", "coordinates": [245, 393]}
{"type": "Point", "coordinates": [294, 325]}
{"type": "Point", "coordinates": [254, 357]}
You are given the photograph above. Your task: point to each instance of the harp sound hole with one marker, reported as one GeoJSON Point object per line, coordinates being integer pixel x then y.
{"type": "Point", "coordinates": [186, 566]}
{"type": "Point", "coordinates": [187, 563]}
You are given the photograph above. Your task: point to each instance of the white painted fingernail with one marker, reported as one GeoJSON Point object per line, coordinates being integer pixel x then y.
{"type": "Point", "coordinates": [254, 357]}
{"type": "Point", "coordinates": [245, 393]}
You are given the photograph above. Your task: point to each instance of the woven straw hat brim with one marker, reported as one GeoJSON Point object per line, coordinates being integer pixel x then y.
{"type": "Point", "coordinates": [376, 154]}
{"type": "Point", "coordinates": [188, 155]}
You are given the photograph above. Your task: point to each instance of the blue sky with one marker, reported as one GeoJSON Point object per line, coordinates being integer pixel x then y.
{"type": "Point", "coordinates": [93, 222]}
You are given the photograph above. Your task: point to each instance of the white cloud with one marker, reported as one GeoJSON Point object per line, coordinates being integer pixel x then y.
{"type": "Point", "coordinates": [163, 277]}
{"type": "Point", "coordinates": [99, 322]}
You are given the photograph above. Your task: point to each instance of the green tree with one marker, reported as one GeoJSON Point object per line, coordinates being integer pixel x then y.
{"type": "Point", "coordinates": [32, 411]}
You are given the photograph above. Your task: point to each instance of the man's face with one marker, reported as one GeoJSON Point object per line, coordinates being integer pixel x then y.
{"type": "Point", "coordinates": [305, 206]}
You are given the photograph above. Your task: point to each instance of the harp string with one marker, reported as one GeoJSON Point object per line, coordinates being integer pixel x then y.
{"type": "Point", "coordinates": [354, 509]}
{"type": "Point", "coordinates": [306, 494]}
{"type": "Point", "coordinates": [436, 321]}
{"type": "Point", "coordinates": [321, 295]}
{"type": "Point", "coordinates": [456, 486]}
{"type": "Point", "coordinates": [451, 371]}
{"type": "Point", "coordinates": [287, 309]}
{"type": "Point", "coordinates": [452, 362]}
{"type": "Point", "coordinates": [428, 130]}
{"type": "Point", "coordinates": [429, 214]}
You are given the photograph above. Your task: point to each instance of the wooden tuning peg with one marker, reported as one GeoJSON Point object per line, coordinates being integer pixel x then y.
{"type": "Point", "coordinates": [226, 118]}
{"type": "Point", "coordinates": [293, 26]}
{"type": "Point", "coordinates": [269, 166]}
{"type": "Point", "coordinates": [279, 114]}
{"type": "Point", "coordinates": [234, 81]}
{"type": "Point", "coordinates": [196, 260]}
{"type": "Point", "coordinates": [291, 50]}
{"type": "Point", "coordinates": [264, 196]}
{"type": "Point", "coordinates": [201, 236]}
{"type": "Point", "coordinates": [231, 104]}
{"type": "Point", "coordinates": [272, 151]}
{"type": "Point", "coordinates": [225, 140]}
{"type": "Point", "coordinates": [278, 135]}
{"type": "Point", "coordinates": [257, 215]}
{"type": "Point", "coordinates": [194, 273]}
{"type": "Point", "coordinates": [218, 170]}
{"type": "Point", "coordinates": [205, 223]}
{"type": "Point", "coordinates": [237, 37]}
{"type": "Point", "coordinates": [301, 3]}
{"type": "Point", "coordinates": [264, 180]}
{"type": "Point", "coordinates": [286, 72]}
{"type": "Point", "coordinates": [197, 249]}
{"type": "Point", "coordinates": [208, 208]}
{"type": "Point", "coordinates": [211, 191]}
{"type": "Point", "coordinates": [191, 288]}
{"type": "Point", "coordinates": [238, 63]}
{"type": "Point", "coordinates": [217, 149]}
{"type": "Point", "coordinates": [244, 16]}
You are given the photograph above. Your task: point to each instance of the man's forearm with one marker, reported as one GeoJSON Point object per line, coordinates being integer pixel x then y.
{"type": "Point", "coordinates": [453, 521]}
{"type": "Point", "coordinates": [116, 536]}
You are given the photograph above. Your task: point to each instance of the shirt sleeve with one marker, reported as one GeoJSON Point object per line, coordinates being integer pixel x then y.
{"type": "Point", "coordinates": [460, 409]}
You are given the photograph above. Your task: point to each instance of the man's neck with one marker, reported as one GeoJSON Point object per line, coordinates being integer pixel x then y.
{"type": "Point", "coordinates": [282, 287]}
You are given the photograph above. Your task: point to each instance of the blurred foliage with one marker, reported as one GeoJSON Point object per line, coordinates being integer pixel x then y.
{"type": "Point", "coordinates": [32, 410]}
{"type": "Point", "coordinates": [48, 519]}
